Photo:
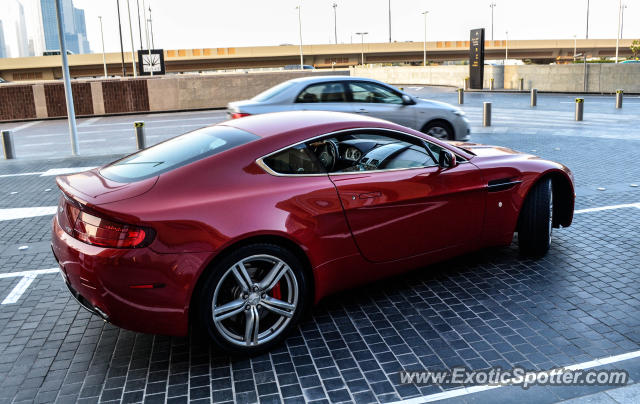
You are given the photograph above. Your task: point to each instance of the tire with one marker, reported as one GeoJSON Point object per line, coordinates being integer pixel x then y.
{"type": "Point", "coordinates": [536, 220]}
{"type": "Point", "coordinates": [253, 316]}
{"type": "Point", "coordinates": [439, 129]}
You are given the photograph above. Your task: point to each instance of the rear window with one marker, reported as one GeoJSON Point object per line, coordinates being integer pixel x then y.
{"type": "Point", "coordinates": [176, 152]}
{"type": "Point", "coordinates": [273, 91]}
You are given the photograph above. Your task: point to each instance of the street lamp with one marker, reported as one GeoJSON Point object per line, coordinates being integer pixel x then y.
{"type": "Point", "coordinates": [506, 48]}
{"type": "Point", "coordinates": [575, 47]}
{"type": "Point", "coordinates": [424, 48]}
{"type": "Point", "coordinates": [619, 23]}
{"type": "Point", "coordinates": [104, 59]}
{"type": "Point", "coordinates": [389, 21]}
{"type": "Point", "coordinates": [335, 22]}
{"type": "Point", "coordinates": [587, 36]}
{"type": "Point", "coordinates": [622, 24]}
{"type": "Point", "coordinates": [492, 5]}
{"type": "Point", "coordinates": [133, 57]}
{"type": "Point", "coordinates": [153, 43]}
{"type": "Point", "coordinates": [300, 33]}
{"type": "Point", "coordinates": [362, 34]}
{"type": "Point", "coordinates": [124, 69]}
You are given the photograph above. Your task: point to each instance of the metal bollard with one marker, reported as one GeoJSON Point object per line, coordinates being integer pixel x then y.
{"type": "Point", "coordinates": [140, 140]}
{"type": "Point", "coordinates": [7, 145]}
{"type": "Point", "coordinates": [486, 114]}
{"type": "Point", "coordinates": [466, 83]}
{"type": "Point", "coordinates": [619, 95]}
{"type": "Point", "coordinates": [491, 84]}
{"type": "Point", "coordinates": [534, 97]}
{"type": "Point", "coordinates": [579, 109]}
{"type": "Point", "coordinates": [521, 84]}
{"type": "Point", "coordinates": [461, 96]}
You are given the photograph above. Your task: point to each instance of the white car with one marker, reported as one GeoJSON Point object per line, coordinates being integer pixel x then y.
{"type": "Point", "coordinates": [360, 96]}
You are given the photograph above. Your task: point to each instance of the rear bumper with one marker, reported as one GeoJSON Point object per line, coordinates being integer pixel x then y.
{"type": "Point", "coordinates": [107, 282]}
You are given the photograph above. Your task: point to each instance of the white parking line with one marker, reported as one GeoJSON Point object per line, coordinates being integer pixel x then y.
{"type": "Point", "coordinates": [611, 207]}
{"type": "Point", "coordinates": [27, 278]}
{"type": "Point", "coordinates": [90, 121]}
{"type": "Point", "coordinates": [25, 126]}
{"type": "Point", "coordinates": [463, 391]}
{"type": "Point", "coordinates": [23, 213]}
{"type": "Point", "coordinates": [50, 172]}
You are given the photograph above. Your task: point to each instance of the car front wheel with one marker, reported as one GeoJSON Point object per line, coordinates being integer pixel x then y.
{"type": "Point", "coordinates": [536, 220]}
{"type": "Point", "coordinates": [439, 129]}
{"type": "Point", "coordinates": [253, 297]}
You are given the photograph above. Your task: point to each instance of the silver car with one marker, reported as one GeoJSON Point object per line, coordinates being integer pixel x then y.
{"type": "Point", "coordinates": [360, 96]}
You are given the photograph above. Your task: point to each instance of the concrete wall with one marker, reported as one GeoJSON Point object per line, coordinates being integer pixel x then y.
{"type": "Point", "coordinates": [428, 75]}
{"type": "Point", "coordinates": [601, 77]}
{"type": "Point", "coordinates": [40, 100]}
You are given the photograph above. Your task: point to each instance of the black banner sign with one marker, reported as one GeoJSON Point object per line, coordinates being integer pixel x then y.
{"type": "Point", "coordinates": [151, 61]}
{"type": "Point", "coordinates": [476, 59]}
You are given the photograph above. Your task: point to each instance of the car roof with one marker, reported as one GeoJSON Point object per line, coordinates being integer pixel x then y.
{"type": "Point", "coordinates": [319, 79]}
{"type": "Point", "coordinates": [282, 124]}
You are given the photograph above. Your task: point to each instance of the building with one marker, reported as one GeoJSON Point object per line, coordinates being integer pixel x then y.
{"type": "Point", "coordinates": [42, 27]}
{"type": "Point", "coordinates": [3, 51]}
{"type": "Point", "coordinates": [14, 39]}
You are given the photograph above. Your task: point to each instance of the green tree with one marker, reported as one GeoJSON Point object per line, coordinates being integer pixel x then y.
{"type": "Point", "coordinates": [635, 48]}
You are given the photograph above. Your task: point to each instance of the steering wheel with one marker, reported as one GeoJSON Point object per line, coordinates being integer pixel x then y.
{"type": "Point", "coordinates": [327, 152]}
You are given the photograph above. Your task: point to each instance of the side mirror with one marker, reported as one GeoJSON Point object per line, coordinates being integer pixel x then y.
{"type": "Point", "coordinates": [446, 159]}
{"type": "Point", "coordinates": [406, 100]}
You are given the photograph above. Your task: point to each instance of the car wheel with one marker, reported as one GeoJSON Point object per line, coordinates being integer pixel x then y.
{"type": "Point", "coordinates": [536, 220]}
{"type": "Point", "coordinates": [439, 129]}
{"type": "Point", "coordinates": [253, 297]}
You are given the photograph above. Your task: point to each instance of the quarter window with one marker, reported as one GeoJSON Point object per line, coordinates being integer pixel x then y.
{"type": "Point", "coordinates": [294, 160]}
{"type": "Point", "coordinates": [323, 92]}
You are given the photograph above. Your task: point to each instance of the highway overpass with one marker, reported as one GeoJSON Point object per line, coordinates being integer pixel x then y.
{"type": "Point", "coordinates": [321, 56]}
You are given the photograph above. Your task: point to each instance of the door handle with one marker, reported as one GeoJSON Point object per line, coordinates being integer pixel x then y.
{"type": "Point", "coordinates": [370, 195]}
{"type": "Point", "coordinates": [363, 111]}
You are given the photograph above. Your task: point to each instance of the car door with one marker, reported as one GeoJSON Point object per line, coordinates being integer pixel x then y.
{"type": "Point", "coordinates": [410, 207]}
{"type": "Point", "coordinates": [382, 102]}
{"type": "Point", "coordinates": [323, 96]}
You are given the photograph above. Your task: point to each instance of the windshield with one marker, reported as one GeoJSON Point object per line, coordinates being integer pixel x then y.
{"type": "Point", "coordinates": [176, 152]}
{"type": "Point", "coordinates": [273, 91]}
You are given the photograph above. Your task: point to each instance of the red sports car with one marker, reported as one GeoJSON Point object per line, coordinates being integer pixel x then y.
{"type": "Point", "coordinates": [241, 226]}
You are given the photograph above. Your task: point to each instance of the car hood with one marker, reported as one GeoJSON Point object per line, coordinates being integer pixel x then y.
{"type": "Point", "coordinates": [89, 187]}
{"type": "Point", "coordinates": [434, 104]}
{"type": "Point", "coordinates": [481, 150]}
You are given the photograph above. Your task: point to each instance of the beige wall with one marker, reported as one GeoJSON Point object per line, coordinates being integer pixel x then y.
{"type": "Point", "coordinates": [453, 75]}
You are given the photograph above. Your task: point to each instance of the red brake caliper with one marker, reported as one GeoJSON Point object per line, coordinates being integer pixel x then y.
{"type": "Point", "coordinates": [275, 292]}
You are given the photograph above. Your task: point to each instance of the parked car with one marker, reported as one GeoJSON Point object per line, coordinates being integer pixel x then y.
{"type": "Point", "coordinates": [362, 96]}
{"type": "Point", "coordinates": [242, 226]}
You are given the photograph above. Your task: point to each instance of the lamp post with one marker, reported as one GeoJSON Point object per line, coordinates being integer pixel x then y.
{"type": "Point", "coordinates": [492, 5]}
{"type": "Point", "coordinates": [300, 34]}
{"type": "Point", "coordinates": [104, 59]}
{"type": "Point", "coordinates": [153, 42]}
{"type": "Point", "coordinates": [575, 47]}
{"type": "Point", "coordinates": [506, 48]}
{"type": "Point", "coordinates": [622, 24]}
{"type": "Point", "coordinates": [424, 48]}
{"type": "Point", "coordinates": [124, 69]}
{"type": "Point", "coordinates": [133, 51]}
{"type": "Point", "coordinates": [389, 21]}
{"type": "Point", "coordinates": [587, 36]}
{"type": "Point", "coordinates": [618, 34]}
{"type": "Point", "coordinates": [335, 22]}
{"type": "Point", "coordinates": [71, 113]}
{"type": "Point", "coordinates": [139, 24]}
{"type": "Point", "coordinates": [362, 34]}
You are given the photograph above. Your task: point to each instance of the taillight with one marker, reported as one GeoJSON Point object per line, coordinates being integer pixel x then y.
{"type": "Point", "coordinates": [95, 230]}
{"type": "Point", "coordinates": [237, 115]}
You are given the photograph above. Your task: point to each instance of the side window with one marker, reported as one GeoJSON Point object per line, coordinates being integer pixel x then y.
{"type": "Point", "coordinates": [323, 92]}
{"type": "Point", "coordinates": [294, 160]}
{"type": "Point", "coordinates": [371, 151]}
{"type": "Point", "coordinates": [373, 93]}
{"type": "Point", "coordinates": [435, 151]}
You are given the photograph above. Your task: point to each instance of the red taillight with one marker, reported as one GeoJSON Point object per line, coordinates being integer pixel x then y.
{"type": "Point", "coordinates": [95, 230]}
{"type": "Point", "coordinates": [237, 115]}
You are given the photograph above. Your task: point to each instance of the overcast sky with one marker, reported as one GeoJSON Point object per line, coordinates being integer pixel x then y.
{"type": "Point", "coordinates": [225, 23]}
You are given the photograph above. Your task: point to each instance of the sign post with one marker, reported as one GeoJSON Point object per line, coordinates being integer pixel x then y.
{"type": "Point", "coordinates": [151, 62]}
{"type": "Point", "coordinates": [476, 59]}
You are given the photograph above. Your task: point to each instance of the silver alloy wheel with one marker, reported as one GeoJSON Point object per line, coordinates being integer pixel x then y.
{"type": "Point", "coordinates": [244, 310]}
{"type": "Point", "coordinates": [438, 132]}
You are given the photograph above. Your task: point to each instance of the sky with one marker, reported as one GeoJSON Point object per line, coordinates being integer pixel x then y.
{"type": "Point", "coordinates": [216, 23]}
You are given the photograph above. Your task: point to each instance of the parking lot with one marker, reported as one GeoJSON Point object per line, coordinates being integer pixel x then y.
{"type": "Point", "coordinates": [578, 304]}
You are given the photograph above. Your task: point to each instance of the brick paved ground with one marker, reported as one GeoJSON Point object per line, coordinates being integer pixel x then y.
{"type": "Point", "coordinates": [491, 308]}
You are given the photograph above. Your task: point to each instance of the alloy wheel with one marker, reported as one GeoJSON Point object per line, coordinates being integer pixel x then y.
{"type": "Point", "coordinates": [254, 300]}
{"type": "Point", "coordinates": [438, 132]}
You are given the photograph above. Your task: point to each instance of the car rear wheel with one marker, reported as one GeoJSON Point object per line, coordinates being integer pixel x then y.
{"type": "Point", "coordinates": [253, 297]}
{"type": "Point", "coordinates": [536, 220]}
{"type": "Point", "coordinates": [439, 129]}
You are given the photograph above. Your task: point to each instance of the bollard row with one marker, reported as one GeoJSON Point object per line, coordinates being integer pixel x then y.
{"type": "Point", "coordinates": [140, 138]}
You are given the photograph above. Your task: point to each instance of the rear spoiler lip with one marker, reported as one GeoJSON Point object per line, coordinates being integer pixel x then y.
{"type": "Point", "coordinates": [71, 192]}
